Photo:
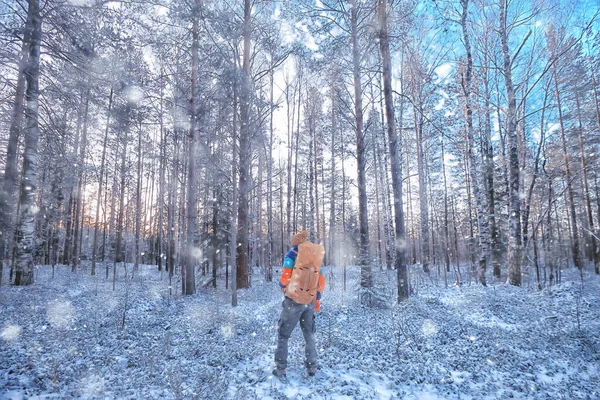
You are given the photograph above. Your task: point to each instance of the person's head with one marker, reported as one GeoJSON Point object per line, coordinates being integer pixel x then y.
{"type": "Point", "coordinates": [298, 238]}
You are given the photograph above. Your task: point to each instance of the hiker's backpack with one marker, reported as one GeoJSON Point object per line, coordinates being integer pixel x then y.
{"type": "Point", "coordinates": [304, 282]}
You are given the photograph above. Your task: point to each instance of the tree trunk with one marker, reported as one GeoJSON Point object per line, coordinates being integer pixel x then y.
{"type": "Point", "coordinates": [535, 174]}
{"type": "Point", "coordinates": [113, 206]}
{"type": "Point", "coordinates": [171, 198]}
{"type": "Point", "coordinates": [161, 189]}
{"type": "Point", "coordinates": [192, 184]}
{"type": "Point", "coordinates": [78, 193]}
{"type": "Point", "coordinates": [597, 110]}
{"type": "Point", "coordinates": [446, 232]}
{"type": "Point", "coordinates": [245, 156]}
{"type": "Point", "coordinates": [270, 210]}
{"type": "Point", "coordinates": [377, 199]}
{"type": "Point", "coordinates": [597, 191]}
{"type": "Point", "coordinates": [456, 248]}
{"type": "Point", "coordinates": [388, 227]}
{"type": "Point", "coordinates": [489, 177]}
{"type": "Point", "coordinates": [400, 260]}
{"type": "Point", "coordinates": [101, 184]}
{"type": "Point", "coordinates": [215, 243]}
{"type": "Point", "coordinates": [71, 209]}
{"type": "Point", "coordinates": [586, 189]}
{"type": "Point", "coordinates": [311, 174]}
{"type": "Point", "coordinates": [138, 203]}
{"type": "Point", "coordinates": [233, 244]}
{"type": "Point", "coordinates": [514, 234]}
{"type": "Point", "coordinates": [471, 244]}
{"type": "Point", "coordinates": [482, 228]}
{"type": "Point", "coordinates": [25, 244]}
{"type": "Point", "coordinates": [9, 182]}
{"type": "Point", "coordinates": [290, 145]}
{"type": "Point", "coordinates": [282, 222]}
{"type": "Point", "coordinates": [423, 201]}
{"type": "Point", "coordinates": [332, 233]}
{"type": "Point", "coordinates": [549, 252]}
{"type": "Point", "coordinates": [257, 243]}
{"type": "Point", "coordinates": [316, 181]}
{"type": "Point", "coordinates": [105, 225]}
{"type": "Point", "coordinates": [295, 227]}
{"type": "Point", "coordinates": [120, 214]}
{"type": "Point", "coordinates": [345, 262]}
{"type": "Point", "coordinates": [363, 254]}
{"type": "Point", "coordinates": [575, 234]}
{"type": "Point", "coordinates": [410, 218]}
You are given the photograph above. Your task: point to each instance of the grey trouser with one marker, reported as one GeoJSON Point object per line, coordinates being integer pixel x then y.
{"type": "Point", "coordinates": [290, 315]}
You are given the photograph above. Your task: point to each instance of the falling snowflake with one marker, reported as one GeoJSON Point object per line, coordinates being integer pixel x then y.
{"type": "Point", "coordinates": [10, 332]}
{"type": "Point", "coordinates": [60, 313]}
{"type": "Point", "coordinates": [91, 386]}
{"type": "Point", "coordinates": [429, 328]}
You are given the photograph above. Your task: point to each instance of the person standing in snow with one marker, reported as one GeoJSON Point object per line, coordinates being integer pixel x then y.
{"type": "Point", "coordinates": [302, 283]}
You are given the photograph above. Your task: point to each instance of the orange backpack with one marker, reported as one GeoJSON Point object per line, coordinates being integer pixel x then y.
{"type": "Point", "coordinates": [304, 282]}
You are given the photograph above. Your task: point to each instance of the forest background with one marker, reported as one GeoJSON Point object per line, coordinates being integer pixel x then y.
{"type": "Point", "coordinates": [171, 132]}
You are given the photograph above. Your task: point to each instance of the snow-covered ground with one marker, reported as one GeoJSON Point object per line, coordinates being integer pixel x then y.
{"type": "Point", "coordinates": [72, 336]}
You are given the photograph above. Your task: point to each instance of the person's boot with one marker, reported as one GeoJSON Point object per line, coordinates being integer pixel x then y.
{"type": "Point", "coordinates": [312, 370]}
{"type": "Point", "coordinates": [280, 374]}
